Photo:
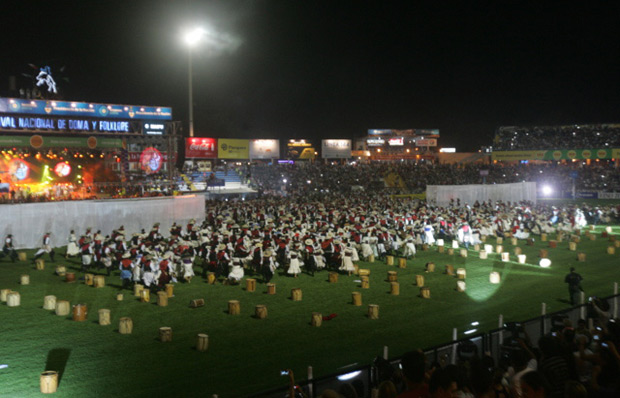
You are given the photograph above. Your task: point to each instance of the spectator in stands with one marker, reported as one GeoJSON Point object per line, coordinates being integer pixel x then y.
{"type": "Point", "coordinates": [386, 389]}
{"type": "Point", "coordinates": [553, 367]}
{"type": "Point", "coordinates": [414, 365]}
{"type": "Point", "coordinates": [442, 385]}
{"type": "Point", "coordinates": [534, 385]}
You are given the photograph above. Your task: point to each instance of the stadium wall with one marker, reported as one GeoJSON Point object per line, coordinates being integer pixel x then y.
{"type": "Point", "coordinates": [441, 195]}
{"type": "Point", "coordinates": [28, 222]}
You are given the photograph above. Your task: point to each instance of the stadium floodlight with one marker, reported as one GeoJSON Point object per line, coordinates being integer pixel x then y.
{"type": "Point", "coordinates": [544, 263]}
{"type": "Point", "coordinates": [349, 376]}
{"type": "Point", "coordinates": [191, 38]}
{"type": "Point", "coordinates": [547, 190]}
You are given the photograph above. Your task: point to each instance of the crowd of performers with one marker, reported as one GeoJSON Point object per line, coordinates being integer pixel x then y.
{"type": "Point", "coordinates": [263, 236]}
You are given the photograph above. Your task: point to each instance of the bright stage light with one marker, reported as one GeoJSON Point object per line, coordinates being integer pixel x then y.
{"type": "Point", "coordinates": [470, 331]}
{"type": "Point", "coordinates": [547, 190]}
{"type": "Point", "coordinates": [545, 263]}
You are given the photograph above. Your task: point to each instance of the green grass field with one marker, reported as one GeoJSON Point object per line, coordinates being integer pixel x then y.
{"type": "Point", "coordinates": [245, 354]}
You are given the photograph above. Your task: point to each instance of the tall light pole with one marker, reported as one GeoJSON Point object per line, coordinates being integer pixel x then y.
{"type": "Point", "coordinates": [192, 38]}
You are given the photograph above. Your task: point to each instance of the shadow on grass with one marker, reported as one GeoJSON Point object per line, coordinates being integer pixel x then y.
{"type": "Point", "coordinates": [57, 361]}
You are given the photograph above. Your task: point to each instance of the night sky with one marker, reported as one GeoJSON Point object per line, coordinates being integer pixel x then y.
{"type": "Point", "coordinates": [331, 69]}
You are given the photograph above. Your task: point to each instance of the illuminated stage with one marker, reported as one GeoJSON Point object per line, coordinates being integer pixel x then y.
{"type": "Point", "coordinates": [62, 150]}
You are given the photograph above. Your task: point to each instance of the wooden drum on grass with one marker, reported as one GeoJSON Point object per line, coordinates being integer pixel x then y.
{"type": "Point", "coordinates": [21, 256]}
{"type": "Point", "coordinates": [24, 280]}
{"type": "Point", "coordinates": [365, 282]}
{"type": "Point", "coordinates": [61, 270]}
{"type": "Point", "coordinates": [49, 382]}
{"type": "Point", "coordinates": [202, 342]}
{"type": "Point", "coordinates": [392, 276]}
{"type": "Point", "coordinates": [250, 285]}
{"type": "Point", "coordinates": [165, 334]}
{"type": "Point", "coordinates": [99, 281]}
{"type": "Point", "coordinates": [373, 311]}
{"type": "Point", "coordinates": [62, 307]}
{"type": "Point", "coordinates": [13, 299]}
{"type": "Point", "coordinates": [210, 278]}
{"type": "Point", "coordinates": [137, 289]}
{"type": "Point", "coordinates": [394, 288]}
{"type": "Point", "coordinates": [170, 290]}
{"type": "Point", "coordinates": [271, 288]}
{"type": "Point", "coordinates": [333, 277]}
{"type": "Point", "coordinates": [419, 280]}
{"type": "Point", "coordinates": [3, 294]}
{"type": "Point", "coordinates": [260, 311]}
{"type": "Point", "coordinates": [145, 296]}
{"type": "Point", "coordinates": [162, 299]}
{"type": "Point", "coordinates": [104, 317]}
{"type": "Point", "coordinates": [49, 303]}
{"type": "Point", "coordinates": [125, 325]}
{"type": "Point", "coordinates": [89, 279]}
{"type": "Point", "coordinates": [425, 292]}
{"type": "Point", "coordinates": [234, 307]}
{"type": "Point", "coordinates": [317, 319]}
{"type": "Point", "coordinates": [197, 303]}
{"type": "Point", "coordinates": [80, 311]}
{"type": "Point", "coordinates": [389, 260]}
{"type": "Point", "coordinates": [357, 299]}
{"type": "Point", "coordinates": [39, 264]}
{"type": "Point", "coordinates": [70, 277]}
{"type": "Point", "coordinates": [296, 294]}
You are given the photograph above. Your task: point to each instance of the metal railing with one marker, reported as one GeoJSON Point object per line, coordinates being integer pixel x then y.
{"type": "Point", "coordinates": [490, 343]}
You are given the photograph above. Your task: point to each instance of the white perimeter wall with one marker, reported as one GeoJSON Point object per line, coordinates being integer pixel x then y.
{"type": "Point", "coordinates": [28, 222]}
{"type": "Point", "coordinates": [440, 195]}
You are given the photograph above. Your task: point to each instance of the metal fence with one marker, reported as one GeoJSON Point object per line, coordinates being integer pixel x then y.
{"type": "Point", "coordinates": [486, 343]}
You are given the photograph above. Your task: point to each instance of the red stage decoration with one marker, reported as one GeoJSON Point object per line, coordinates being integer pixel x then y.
{"type": "Point", "coordinates": [151, 160]}
{"type": "Point", "coordinates": [18, 170]}
{"type": "Point", "coordinates": [62, 169]}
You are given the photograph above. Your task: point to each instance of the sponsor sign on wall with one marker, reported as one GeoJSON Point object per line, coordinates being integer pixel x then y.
{"type": "Point", "coordinates": [396, 141]}
{"type": "Point", "coordinates": [201, 148]}
{"type": "Point", "coordinates": [264, 149]}
{"type": "Point", "coordinates": [228, 148]}
{"type": "Point", "coordinates": [426, 142]}
{"type": "Point", "coordinates": [300, 150]}
{"type": "Point", "coordinates": [336, 149]}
